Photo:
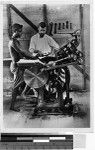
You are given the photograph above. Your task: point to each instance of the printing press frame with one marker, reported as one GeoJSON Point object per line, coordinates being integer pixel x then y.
{"type": "Point", "coordinates": [54, 78]}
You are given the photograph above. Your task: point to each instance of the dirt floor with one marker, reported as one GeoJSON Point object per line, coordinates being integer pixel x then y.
{"type": "Point", "coordinates": [20, 120]}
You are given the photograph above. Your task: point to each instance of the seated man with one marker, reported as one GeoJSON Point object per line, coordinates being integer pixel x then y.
{"type": "Point", "coordinates": [41, 44]}
{"type": "Point", "coordinates": [16, 54]}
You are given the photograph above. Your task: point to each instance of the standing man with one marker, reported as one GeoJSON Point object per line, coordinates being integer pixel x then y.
{"type": "Point", "coordinates": [42, 44]}
{"type": "Point", "coordinates": [16, 54]}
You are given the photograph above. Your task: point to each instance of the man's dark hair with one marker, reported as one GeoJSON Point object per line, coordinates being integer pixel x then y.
{"type": "Point", "coordinates": [16, 27]}
{"type": "Point", "coordinates": [42, 24]}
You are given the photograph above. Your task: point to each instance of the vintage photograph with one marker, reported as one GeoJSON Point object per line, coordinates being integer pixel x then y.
{"type": "Point", "coordinates": [46, 66]}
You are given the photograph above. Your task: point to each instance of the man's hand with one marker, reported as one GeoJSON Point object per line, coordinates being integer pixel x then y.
{"type": "Point", "coordinates": [38, 53]}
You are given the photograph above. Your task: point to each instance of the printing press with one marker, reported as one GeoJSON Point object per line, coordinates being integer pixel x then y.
{"type": "Point", "coordinates": [54, 78]}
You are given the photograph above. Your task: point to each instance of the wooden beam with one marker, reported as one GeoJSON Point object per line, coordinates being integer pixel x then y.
{"type": "Point", "coordinates": [81, 71]}
{"type": "Point", "coordinates": [24, 17]}
{"type": "Point", "coordinates": [82, 42]}
{"type": "Point", "coordinates": [9, 21]}
{"type": "Point", "coordinates": [45, 19]}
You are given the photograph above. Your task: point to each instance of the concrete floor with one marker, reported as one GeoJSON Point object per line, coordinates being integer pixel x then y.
{"type": "Point", "coordinates": [19, 120]}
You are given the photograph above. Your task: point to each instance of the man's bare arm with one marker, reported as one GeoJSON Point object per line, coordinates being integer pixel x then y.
{"type": "Point", "coordinates": [25, 54]}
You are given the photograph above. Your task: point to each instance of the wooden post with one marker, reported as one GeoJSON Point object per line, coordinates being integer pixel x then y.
{"type": "Point", "coordinates": [82, 43]}
{"type": "Point", "coordinates": [50, 26]}
{"type": "Point", "coordinates": [9, 21]}
{"type": "Point", "coordinates": [45, 19]}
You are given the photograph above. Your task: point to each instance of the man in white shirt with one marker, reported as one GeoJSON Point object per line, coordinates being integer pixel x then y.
{"type": "Point", "coordinates": [42, 44]}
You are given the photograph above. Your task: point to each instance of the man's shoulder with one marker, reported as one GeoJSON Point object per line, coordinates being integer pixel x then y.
{"type": "Point", "coordinates": [12, 42]}
{"type": "Point", "coordinates": [34, 36]}
{"type": "Point", "coordinates": [48, 37]}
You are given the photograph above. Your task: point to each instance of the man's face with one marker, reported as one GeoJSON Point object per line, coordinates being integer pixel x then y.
{"type": "Point", "coordinates": [42, 31]}
{"type": "Point", "coordinates": [19, 32]}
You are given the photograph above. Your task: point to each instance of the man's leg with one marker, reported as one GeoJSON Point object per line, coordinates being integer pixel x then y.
{"type": "Point", "coordinates": [17, 83]}
{"type": "Point", "coordinates": [14, 95]}
{"type": "Point", "coordinates": [40, 97]}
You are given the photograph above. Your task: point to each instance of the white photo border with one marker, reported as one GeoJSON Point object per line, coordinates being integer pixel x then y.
{"type": "Point", "coordinates": [49, 130]}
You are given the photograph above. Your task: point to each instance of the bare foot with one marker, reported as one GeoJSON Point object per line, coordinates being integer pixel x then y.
{"type": "Point", "coordinates": [14, 109]}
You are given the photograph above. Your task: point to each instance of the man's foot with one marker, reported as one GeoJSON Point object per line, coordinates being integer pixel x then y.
{"type": "Point", "coordinates": [14, 109]}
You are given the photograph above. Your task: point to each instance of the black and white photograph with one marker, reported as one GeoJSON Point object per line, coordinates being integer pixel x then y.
{"type": "Point", "coordinates": [46, 66]}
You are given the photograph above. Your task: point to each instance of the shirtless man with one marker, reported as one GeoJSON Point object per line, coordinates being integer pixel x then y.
{"type": "Point", "coordinates": [16, 54]}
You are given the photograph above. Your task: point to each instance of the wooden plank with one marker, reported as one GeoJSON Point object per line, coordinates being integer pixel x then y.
{"type": "Point", "coordinates": [7, 59]}
{"type": "Point", "coordinates": [9, 21]}
{"type": "Point", "coordinates": [82, 42]}
{"type": "Point", "coordinates": [45, 19]}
